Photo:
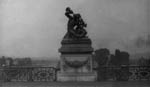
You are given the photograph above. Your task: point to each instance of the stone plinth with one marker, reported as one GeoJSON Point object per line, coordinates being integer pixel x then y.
{"type": "Point", "coordinates": [76, 46]}
{"type": "Point", "coordinates": [76, 60]}
{"type": "Point", "coordinates": [76, 76]}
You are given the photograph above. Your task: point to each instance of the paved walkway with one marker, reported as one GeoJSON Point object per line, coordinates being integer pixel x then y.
{"type": "Point", "coordinates": [76, 84]}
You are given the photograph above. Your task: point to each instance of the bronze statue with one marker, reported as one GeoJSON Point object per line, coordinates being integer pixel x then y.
{"type": "Point", "coordinates": [75, 27]}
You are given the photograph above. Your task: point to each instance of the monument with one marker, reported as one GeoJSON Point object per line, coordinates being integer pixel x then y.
{"type": "Point", "coordinates": [76, 51]}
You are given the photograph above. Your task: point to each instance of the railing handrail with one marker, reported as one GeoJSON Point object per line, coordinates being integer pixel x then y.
{"type": "Point", "coordinates": [27, 67]}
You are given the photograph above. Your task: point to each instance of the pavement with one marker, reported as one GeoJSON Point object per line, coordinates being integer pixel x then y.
{"type": "Point", "coordinates": [77, 84]}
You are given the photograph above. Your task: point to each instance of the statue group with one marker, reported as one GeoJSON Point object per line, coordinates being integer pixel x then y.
{"type": "Point", "coordinates": [76, 25]}
{"type": "Point", "coordinates": [76, 51]}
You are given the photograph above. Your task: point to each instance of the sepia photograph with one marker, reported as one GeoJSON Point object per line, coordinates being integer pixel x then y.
{"type": "Point", "coordinates": [74, 43]}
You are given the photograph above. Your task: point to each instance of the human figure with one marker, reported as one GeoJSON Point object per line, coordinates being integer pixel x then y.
{"type": "Point", "coordinates": [80, 25]}
{"type": "Point", "coordinates": [75, 27]}
{"type": "Point", "coordinates": [71, 22]}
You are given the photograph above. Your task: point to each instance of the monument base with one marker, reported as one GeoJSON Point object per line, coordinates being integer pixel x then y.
{"type": "Point", "coordinates": [76, 62]}
{"type": "Point", "coordinates": [76, 76]}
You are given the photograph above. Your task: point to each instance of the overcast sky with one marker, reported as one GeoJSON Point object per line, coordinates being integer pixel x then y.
{"type": "Point", "coordinates": [35, 28]}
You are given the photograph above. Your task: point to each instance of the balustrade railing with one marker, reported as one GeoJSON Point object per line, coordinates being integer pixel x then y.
{"type": "Point", "coordinates": [124, 73]}
{"type": "Point", "coordinates": [28, 74]}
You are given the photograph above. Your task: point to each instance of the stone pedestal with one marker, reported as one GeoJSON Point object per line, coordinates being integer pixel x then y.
{"type": "Point", "coordinates": [76, 60]}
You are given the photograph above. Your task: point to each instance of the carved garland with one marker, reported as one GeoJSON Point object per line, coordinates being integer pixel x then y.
{"type": "Point", "coordinates": [76, 64]}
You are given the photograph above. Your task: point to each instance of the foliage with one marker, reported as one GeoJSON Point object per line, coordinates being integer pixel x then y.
{"type": "Point", "coordinates": [23, 62]}
{"type": "Point", "coordinates": [101, 56]}
{"type": "Point", "coordinates": [8, 61]}
{"type": "Point", "coordinates": [121, 58]}
{"type": "Point", "coordinates": [144, 61]}
{"type": "Point", "coordinates": [2, 61]}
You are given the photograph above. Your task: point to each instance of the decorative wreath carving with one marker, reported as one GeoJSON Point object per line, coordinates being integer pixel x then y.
{"type": "Point", "coordinates": [76, 63]}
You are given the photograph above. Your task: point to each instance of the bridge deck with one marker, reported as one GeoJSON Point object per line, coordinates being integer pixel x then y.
{"type": "Point", "coordinates": [77, 84]}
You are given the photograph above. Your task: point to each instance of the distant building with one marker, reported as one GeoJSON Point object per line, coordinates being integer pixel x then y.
{"type": "Point", "coordinates": [8, 61]}
{"type": "Point", "coordinates": [16, 62]}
